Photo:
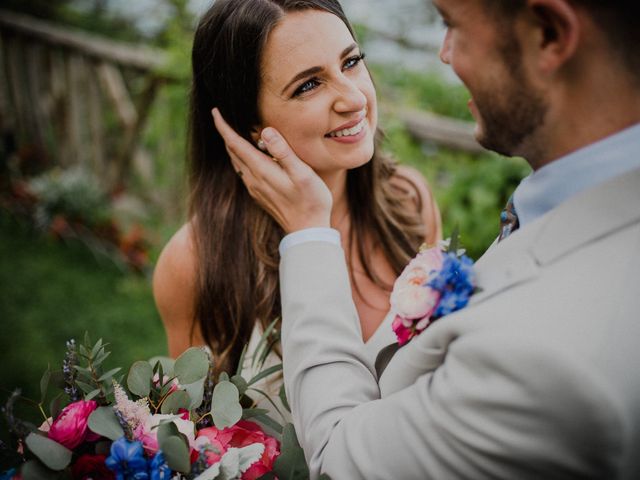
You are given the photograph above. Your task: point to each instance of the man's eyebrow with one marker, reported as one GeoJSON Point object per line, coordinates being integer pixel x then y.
{"type": "Point", "coordinates": [315, 70]}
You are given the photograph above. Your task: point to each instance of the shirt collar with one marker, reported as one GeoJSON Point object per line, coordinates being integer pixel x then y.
{"type": "Point", "coordinates": [556, 182]}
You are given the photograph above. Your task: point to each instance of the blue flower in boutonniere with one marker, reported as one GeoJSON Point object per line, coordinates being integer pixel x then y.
{"type": "Point", "coordinates": [437, 282]}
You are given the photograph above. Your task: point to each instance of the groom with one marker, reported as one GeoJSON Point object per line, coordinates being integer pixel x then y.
{"type": "Point", "coordinates": [538, 376]}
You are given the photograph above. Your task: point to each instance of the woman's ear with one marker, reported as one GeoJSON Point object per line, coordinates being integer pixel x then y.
{"type": "Point", "coordinates": [255, 136]}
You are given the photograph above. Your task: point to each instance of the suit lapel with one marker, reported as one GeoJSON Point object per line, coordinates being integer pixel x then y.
{"type": "Point", "coordinates": [583, 219]}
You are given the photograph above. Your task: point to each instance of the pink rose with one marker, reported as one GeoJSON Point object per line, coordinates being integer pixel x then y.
{"type": "Point", "coordinates": [70, 428]}
{"type": "Point", "coordinates": [403, 333]}
{"type": "Point", "coordinates": [411, 299]}
{"type": "Point", "coordinates": [240, 435]}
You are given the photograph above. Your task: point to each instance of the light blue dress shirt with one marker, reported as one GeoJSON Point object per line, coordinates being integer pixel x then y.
{"type": "Point", "coordinates": [561, 179]}
{"type": "Point", "coordinates": [545, 188]}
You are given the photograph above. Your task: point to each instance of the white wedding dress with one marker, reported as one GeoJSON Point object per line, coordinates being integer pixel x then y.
{"type": "Point", "coordinates": [382, 337]}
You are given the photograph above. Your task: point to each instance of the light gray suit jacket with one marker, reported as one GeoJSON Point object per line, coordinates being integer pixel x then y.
{"type": "Point", "coordinates": [538, 377]}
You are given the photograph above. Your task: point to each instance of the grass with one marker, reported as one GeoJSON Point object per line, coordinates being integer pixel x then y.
{"type": "Point", "coordinates": [51, 292]}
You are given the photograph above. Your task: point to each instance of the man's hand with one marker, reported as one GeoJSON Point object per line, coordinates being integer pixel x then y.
{"type": "Point", "coordinates": [286, 187]}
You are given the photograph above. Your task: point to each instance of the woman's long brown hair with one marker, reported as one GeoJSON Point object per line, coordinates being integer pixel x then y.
{"type": "Point", "coordinates": [236, 242]}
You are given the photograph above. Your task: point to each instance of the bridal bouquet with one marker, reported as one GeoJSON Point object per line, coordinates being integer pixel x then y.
{"type": "Point", "coordinates": [161, 419]}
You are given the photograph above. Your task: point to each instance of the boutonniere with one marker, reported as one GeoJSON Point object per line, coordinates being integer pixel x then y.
{"type": "Point", "coordinates": [438, 281]}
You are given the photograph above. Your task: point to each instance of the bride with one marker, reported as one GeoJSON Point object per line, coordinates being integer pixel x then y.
{"type": "Point", "coordinates": [295, 66]}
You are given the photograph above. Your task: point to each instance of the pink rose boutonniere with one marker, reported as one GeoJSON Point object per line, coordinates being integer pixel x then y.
{"type": "Point", "coordinates": [438, 281]}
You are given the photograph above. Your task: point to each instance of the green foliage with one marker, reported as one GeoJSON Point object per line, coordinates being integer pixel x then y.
{"type": "Point", "coordinates": [471, 190]}
{"type": "Point", "coordinates": [291, 463]}
{"type": "Point", "coordinates": [423, 91]}
{"type": "Point", "coordinates": [103, 421]}
{"type": "Point", "coordinates": [52, 292]}
{"type": "Point", "coordinates": [74, 193]}
{"type": "Point", "coordinates": [225, 406]}
{"type": "Point", "coordinates": [52, 454]}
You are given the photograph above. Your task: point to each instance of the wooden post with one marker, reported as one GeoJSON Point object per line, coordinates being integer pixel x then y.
{"type": "Point", "coordinates": [96, 127]}
{"type": "Point", "coordinates": [123, 161]}
{"type": "Point", "coordinates": [428, 127]}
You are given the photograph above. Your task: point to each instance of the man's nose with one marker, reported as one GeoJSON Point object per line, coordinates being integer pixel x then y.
{"type": "Point", "coordinates": [445, 49]}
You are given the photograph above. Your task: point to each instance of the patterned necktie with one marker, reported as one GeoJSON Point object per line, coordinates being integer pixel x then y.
{"type": "Point", "coordinates": [508, 220]}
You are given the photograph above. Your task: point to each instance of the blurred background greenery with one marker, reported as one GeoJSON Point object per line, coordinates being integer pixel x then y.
{"type": "Point", "coordinates": [56, 286]}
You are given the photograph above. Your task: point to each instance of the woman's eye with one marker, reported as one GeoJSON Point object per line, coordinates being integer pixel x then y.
{"type": "Point", "coordinates": [353, 61]}
{"type": "Point", "coordinates": [306, 87]}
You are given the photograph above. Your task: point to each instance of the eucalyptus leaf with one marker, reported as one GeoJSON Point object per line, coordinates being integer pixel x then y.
{"type": "Point", "coordinates": [290, 464]}
{"type": "Point", "coordinates": [241, 383]}
{"type": "Point", "coordinates": [191, 366]}
{"type": "Point", "coordinates": [109, 374]}
{"type": "Point", "coordinates": [196, 393]}
{"type": "Point", "coordinates": [225, 405]}
{"type": "Point", "coordinates": [166, 430]}
{"type": "Point", "coordinates": [176, 453]}
{"type": "Point", "coordinates": [44, 383]}
{"type": "Point", "coordinates": [52, 454]}
{"type": "Point", "coordinates": [55, 406]}
{"type": "Point", "coordinates": [103, 421]}
{"type": "Point", "coordinates": [223, 377]}
{"type": "Point", "coordinates": [139, 378]}
{"type": "Point", "coordinates": [175, 401]}
{"type": "Point", "coordinates": [35, 470]}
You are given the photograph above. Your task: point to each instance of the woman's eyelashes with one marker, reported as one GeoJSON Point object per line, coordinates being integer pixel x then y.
{"type": "Point", "coordinates": [312, 83]}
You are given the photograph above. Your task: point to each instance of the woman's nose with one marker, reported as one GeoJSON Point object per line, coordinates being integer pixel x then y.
{"type": "Point", "coordinates": [349, 97]}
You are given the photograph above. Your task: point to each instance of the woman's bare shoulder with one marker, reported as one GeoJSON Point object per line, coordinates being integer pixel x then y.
{"type": "Point", "coordinates": [174, 288]}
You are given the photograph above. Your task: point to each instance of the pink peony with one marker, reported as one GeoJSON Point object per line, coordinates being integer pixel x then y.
{"type": "Point", "coordinates": [411, 299]}
{"type": "Point", "coordinates": [240, 435]}
{"type": "Point", "coordinates": [70, 428]}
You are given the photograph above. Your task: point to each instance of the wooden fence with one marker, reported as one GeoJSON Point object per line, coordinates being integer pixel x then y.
{"type": "Point", "coordinates": [74, 97]}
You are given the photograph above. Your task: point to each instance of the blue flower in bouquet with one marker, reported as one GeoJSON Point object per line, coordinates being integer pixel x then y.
{"type": "Point", "coordinates": [9, 474]}
{"type": "Point", "coordinates": [158, 467]}
{"type": "Point", "coordinates": [127, 460]}
{"type": "Point", "coordinates": [455, 282]}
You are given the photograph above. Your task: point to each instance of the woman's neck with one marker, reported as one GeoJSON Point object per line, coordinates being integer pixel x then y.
{"type": "Point", "coordinates": [337, 183]}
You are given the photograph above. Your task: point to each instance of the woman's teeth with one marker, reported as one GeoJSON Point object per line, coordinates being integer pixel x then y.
{"type": "Point", "coordinates": [347, 132]}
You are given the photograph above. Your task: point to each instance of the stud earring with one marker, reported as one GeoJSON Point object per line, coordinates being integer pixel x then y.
{"type": "Point", "coordinates": [261, 145]}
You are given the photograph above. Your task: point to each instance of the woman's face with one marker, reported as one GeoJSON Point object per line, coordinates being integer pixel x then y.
{"type": "Point", "coordinates": [316, 91]}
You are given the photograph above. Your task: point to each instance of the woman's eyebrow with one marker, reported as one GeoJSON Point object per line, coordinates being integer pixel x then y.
{"type": "Point", "coordinates": [315, 70]}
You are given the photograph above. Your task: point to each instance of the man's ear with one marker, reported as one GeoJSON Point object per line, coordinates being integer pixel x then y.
{"type": "Point", "coordinates": [559, 32]}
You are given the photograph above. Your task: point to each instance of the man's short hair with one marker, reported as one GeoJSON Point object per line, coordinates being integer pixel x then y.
{"type": "Point", "coordinates": [619, 19]}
